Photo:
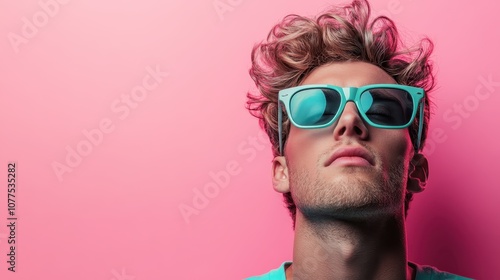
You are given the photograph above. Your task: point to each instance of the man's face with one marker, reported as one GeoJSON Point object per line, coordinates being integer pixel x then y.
{"type": "Point", "coordinates": [370, 173]}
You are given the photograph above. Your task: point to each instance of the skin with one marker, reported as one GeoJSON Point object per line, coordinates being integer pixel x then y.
{"type": "Point", "coordinates": [350, 216]}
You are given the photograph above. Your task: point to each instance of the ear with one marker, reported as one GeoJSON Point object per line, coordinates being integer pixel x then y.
{"type": "Point", "coordinates": [418, 173]}
{"type": "Point", "coordinates": [280, 175]}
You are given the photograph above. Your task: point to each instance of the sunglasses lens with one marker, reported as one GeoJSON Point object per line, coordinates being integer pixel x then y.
{"type": "Point", "coordinates": [387, 106]}
{"type": "Point", "coordinates": [315, 106]}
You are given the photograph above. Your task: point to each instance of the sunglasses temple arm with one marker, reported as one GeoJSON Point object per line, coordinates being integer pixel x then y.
{"type": "Point", "coordinates": [279, 127]}
{"type": "Point", "coordinates": [420, 125]}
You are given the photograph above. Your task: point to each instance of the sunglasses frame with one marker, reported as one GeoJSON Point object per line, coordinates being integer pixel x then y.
{"type": "Point", "coordinates": [351, 94]}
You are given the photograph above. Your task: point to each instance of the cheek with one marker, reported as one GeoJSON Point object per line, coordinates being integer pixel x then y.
{"type": "Point", "coordinates": [306, 145]}
{"type": "Point", "coordinates": [395, 146]}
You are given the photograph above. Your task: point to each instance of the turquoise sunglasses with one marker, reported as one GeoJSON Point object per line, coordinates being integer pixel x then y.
{"type": "Point", "coordinates": [390, 106]}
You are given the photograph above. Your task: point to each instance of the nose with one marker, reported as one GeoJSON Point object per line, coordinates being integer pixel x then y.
{"type": "Point", "coordinates": [350, 124]}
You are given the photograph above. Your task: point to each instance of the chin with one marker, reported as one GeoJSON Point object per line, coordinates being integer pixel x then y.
{"type": "Point", "coordinates": [347, 192]}
{"type": "Point", "coordinates": [349, 212]}
{"type": "Point", "coordinates": [351, 198]}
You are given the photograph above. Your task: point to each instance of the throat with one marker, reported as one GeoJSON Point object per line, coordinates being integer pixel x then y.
{"type": "Point", "coordinates": [346, 249]}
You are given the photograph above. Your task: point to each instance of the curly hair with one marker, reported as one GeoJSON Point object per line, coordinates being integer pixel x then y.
{"type": "Point", "coordinates": [297, 45]}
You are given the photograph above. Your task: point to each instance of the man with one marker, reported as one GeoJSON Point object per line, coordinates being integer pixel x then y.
{"type": "Point", "coordinates": [346, 109]}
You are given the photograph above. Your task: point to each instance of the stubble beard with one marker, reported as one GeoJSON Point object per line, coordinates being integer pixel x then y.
{"type": "Point", "coordinates": [357, 192]}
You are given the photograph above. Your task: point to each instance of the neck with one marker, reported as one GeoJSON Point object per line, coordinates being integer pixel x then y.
{"type": "Point", "coordinates": [371, 248]}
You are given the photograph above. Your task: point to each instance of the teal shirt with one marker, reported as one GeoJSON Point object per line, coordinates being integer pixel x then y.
{"type": "Point", "coordinates": [423, 273]}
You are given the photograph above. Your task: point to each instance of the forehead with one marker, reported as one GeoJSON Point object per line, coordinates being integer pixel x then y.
{"type": "Point", "coordinates": [348, 74]}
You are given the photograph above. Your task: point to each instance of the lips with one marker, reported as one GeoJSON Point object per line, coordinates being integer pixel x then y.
{"type": "Point", "coordinates": [354, 155]}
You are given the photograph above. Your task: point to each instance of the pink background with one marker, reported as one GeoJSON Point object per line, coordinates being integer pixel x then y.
{"type": "Point", "coordinates": [117, 215]}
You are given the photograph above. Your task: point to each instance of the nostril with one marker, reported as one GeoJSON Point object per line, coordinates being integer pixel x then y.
{"type": "Point", "coordinates": [342, 130]}
{"type": "Point", "coordinates": [358, 130]}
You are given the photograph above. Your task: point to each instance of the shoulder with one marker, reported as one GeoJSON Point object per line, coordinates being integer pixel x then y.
{"type": "Point", "coordinates": [275, 274]}
{"type": "Point", "coordinates": [425, 272]}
